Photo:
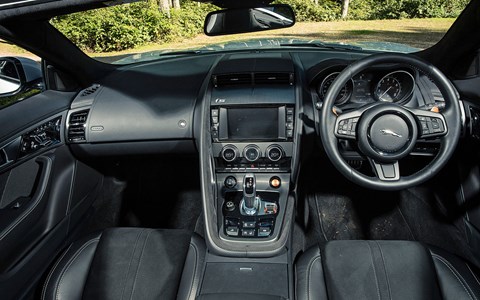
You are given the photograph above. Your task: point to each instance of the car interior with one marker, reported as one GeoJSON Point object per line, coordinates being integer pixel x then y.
{"type": "Point", "coordinates": [286, 173]}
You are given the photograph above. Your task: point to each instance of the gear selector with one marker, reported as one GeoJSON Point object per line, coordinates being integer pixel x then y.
{"type": "Point", "coordinates": [250, 201]}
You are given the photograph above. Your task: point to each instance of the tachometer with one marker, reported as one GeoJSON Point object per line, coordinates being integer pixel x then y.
{"type": "Point", "coordinates": [395, 87]}
{"type": "Point", "coordinates": [345, 92]}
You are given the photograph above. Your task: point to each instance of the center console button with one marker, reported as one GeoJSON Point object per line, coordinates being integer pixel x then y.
{"type": "Point", "coordinates": [248, 232]}
{"type": "Point", "coordinates": [264, 231]}
{"type": "Point", "coordinates": [230, 182]}
{"type": "Point", "coordinates": [247, 224]}
{"type": "Point", "coordinates": [232, 231]}
{"type": "Point", "coordinates": [230, 206]}
{"type": "Point", "coordinates": [274, 152]}
{"type": "Point", "coordinates": [229, 153]}
{"type": "Point", "coordinates": [251, 153]}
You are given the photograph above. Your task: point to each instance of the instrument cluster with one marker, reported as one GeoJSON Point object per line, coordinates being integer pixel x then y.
{"type": "Point", "coordinates": [395, 86]}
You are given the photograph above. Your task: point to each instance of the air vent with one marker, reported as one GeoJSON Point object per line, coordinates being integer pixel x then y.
{"type": "Point", "coordinates": [76, 126]}
{"type": "Point", "coordinates": [274, 78]}
{"type": "Point", "coordinates": [232, 79]}
{"type": "Point", "coordinates": [90, 90]}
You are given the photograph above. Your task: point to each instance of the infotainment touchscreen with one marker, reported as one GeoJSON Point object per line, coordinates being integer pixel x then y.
{"type": "Point", "coordinates": [252, 123]}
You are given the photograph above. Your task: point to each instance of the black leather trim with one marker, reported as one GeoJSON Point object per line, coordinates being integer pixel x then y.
{"type": "Point", "coordinates": [308, 274]}
{"type": "Point", "coordinates": [192, 269]}
{"type": "Point", "coordinates": [68, 275]}
{"type": "Point", "coordinates": [457, 279]}
{"type": "Point", "coordinates": [130, 263]}
{"type": "Point", "coordinates": [238, 297]}
{"type": "Point", "coordinates": [379, 270]}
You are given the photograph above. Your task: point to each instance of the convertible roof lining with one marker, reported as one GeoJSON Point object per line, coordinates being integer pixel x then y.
{"type": "Point", "coordinates": [46, 9]}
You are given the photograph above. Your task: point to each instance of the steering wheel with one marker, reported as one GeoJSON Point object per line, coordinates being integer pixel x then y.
{"type": "Point", "coordinates": [388, 132]}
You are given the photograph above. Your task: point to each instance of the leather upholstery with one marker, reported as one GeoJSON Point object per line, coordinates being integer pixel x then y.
{"type": "Point", "coordinates": [125, 263]}
{"type": "Point", "coordinates": [383, 270]}
{"type": "Point", "coordinates": [238, 297]}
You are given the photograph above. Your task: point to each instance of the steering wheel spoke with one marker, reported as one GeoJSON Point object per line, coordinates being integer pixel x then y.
{"type": "Point", "coordinates": [431, 124]}
{"type": "Point", "coordinates": [386, 171]}
{"type": "Point", "coordinates": [346, 125]}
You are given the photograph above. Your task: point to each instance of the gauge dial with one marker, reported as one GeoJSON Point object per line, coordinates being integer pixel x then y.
{"type": "Point", "coordinates": [388, 89]}
{"type": "Point", "coordinates": [345, 92]}
{"type": "Point", "coordinates": [395, 87]}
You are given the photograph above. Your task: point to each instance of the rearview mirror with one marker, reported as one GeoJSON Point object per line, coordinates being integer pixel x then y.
{"type": "Point", "coordinates": [240, 20]}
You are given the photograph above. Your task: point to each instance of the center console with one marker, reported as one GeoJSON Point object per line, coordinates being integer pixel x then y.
{"type": "Point", "coordinates": [252, 147]}
{"type": "Point", "coordinates": [249, 127]}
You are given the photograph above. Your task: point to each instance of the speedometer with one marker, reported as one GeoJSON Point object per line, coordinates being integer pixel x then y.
{"type": "Point", "coordinates": [345, 92]}
{"type": "Point", "coordinates": [395, 87]}
{"type": "Point", "coordinates": [388, 89]}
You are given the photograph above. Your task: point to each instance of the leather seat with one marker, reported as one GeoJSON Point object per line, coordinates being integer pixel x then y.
{"type": "Point", "coordinates": [128, 263]}
{"type": "Point", "coordinates": [383, 270]}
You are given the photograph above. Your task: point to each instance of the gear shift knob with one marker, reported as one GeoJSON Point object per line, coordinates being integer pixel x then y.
{"type": "Point", "coordinates": [250, 200]}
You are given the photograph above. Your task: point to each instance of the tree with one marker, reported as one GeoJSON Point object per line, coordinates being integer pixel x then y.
{"type": "Point", "coordinates": [345, 4]}
{"type": "Point", "coordinates": [176, 4]}
{"type": "Point", "coordinates": [164, 6]}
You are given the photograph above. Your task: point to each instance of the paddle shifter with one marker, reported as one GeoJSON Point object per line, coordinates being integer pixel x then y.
{"type": "Point", "coordinates": [250, 201]}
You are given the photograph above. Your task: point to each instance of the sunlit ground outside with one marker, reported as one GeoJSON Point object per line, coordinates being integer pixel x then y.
{"type": "Point", "coordinates": [418, 33]}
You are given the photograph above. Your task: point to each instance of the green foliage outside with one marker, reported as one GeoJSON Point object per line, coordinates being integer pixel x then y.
{"type": "Point", "coordinates": [405, 9]}
{"type": "Point", "coordinates": [127, 26]}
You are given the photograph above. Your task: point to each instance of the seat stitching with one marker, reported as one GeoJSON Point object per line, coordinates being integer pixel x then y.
{"type": "Point", "coordinates": [374, 271]}
{"type": "Point", "coordinates": [70, 262]}
{"type": "Point", "coordinates": [474, 276]}
{"type": "Point", "coordinates": [44, 293]}
{"type": "Point", "coordinates": [385, 268]}
{"type": "Point", "coordinates": [139, 263]}
{"type": "Point", "coordinates": [309, 274]}
{"type": "Point", "coordinates": [194, 269]}
{"type": "Point", "coordinates": [130, 263]}
{"type": "Point", "coordinates": [442, 260]}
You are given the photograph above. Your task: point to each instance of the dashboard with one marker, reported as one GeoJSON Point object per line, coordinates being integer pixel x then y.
{"type": "Point", "coordinates": [244, 114]}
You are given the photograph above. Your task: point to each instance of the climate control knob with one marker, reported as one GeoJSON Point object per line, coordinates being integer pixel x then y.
{"type": "Point", "coordinates": [251, 153]}
{"type": "Point", "coordinates": [274, 152]}
{"type": "Point", "coordinates": [229, 153]}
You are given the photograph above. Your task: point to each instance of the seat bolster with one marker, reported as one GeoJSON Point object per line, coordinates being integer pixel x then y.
{"type": "Point", "coordinates": [192, 269]}
{"type": "Point", "coordinates": [310, 281]}
{"type": "Point", "coordinates": [67, 278]}
{"type": "Point", "coordinates": [457, 279]}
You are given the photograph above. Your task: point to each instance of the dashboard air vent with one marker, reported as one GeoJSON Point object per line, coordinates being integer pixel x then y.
{"type": "Point", "coordinates": [76, 126]}
{"type": "Point", "coordinates": [90, 90]}
{"type": "Point", "coordinates": [232, 79]}
{"type": "Point", "coordinates": [274, 78]}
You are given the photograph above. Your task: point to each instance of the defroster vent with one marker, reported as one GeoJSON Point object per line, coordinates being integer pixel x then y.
{"type": "Point", "coordinates": [274, 78]}
{"type": "Point", "coordinates": [77, 126]}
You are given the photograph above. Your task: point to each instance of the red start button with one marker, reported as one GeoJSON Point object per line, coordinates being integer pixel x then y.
{"type": "Point", "coordinates": [275, 182]}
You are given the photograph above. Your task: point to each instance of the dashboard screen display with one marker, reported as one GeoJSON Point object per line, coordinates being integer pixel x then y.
{"type": "Point", "coordinates": [252, 123]}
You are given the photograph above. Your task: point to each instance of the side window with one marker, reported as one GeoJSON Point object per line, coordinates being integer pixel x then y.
{"type": "Point", "coordinates": [20, 74]}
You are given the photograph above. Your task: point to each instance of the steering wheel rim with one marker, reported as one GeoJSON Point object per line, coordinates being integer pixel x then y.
{"type": "Point", "coordinates": [451, 116]}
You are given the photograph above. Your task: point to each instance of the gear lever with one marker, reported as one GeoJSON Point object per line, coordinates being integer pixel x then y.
{"type": "Point", "coordinates": [250, 200]}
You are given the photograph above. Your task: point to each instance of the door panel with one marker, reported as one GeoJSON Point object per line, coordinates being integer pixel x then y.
{"type": "Point", "coordinates": [45, 192]}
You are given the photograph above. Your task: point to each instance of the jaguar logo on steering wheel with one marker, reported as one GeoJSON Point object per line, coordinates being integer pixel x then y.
{"type": "Point", "coordinates": [390, 132]}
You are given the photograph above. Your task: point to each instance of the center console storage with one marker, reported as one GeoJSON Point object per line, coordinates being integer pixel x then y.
{"type": "Point", "coordinates": [262, 279]}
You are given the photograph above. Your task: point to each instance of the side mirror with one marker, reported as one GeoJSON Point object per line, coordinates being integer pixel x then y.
{"type": "Point", "coordinates": [20, 78]}
{"type": "Point", "coordinates": [241, 20]}
{"type": "Point", "coordinates": [10, 80]}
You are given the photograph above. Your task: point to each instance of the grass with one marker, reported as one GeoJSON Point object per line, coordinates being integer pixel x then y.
{"type": "Point", "coordinates": [419, 33]}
